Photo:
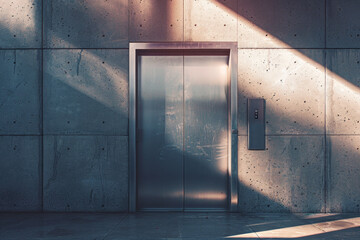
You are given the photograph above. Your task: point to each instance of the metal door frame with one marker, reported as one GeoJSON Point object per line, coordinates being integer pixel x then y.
{"type": "Point", "coordinates": [231, 47]}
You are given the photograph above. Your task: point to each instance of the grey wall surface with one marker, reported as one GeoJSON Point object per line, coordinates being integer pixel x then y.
{"type": "Point", "coordinates": [64, 98]}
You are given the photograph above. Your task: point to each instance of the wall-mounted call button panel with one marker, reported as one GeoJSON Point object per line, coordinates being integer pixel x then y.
{"type": "Point", "coordinates": [256, 124]}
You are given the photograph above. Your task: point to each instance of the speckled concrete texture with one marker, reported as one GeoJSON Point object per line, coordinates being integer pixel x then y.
{"type": "Point", "coordinates": [287, 177]}
{"type": "Point", "coordinates": [344, 173]}
{"type": "Point", "coordinates": [85, 173]}
{"type": "Point", "coordinates": [86, 24]}
{"type": "Point", "coordinates": [20, 24]}
{"type": "Point", "coordinates": [207, 20]}
{"type": "Point", "coordinates": [155, 20]}
{"type": "Point", "coordinates": [342, 24]}
{"type": "Point", "coordinates": [64, 93]}
{"type": "Point", "coordinates": [20, 173]}
{"type": "Point", "coordinates": [292, 82]}
{"type": "Point", "coordinates": [20, 74]}
{"type": "Point", "coordinates": [343, 99]}
{"type": "Point", "coordinates": [281, 24]}
{"type": "Point", "coordinates": [80, 85]}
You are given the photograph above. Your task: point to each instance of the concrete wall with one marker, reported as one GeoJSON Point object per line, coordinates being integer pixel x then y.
{"type": "Point", "coordinates": [64, 98]}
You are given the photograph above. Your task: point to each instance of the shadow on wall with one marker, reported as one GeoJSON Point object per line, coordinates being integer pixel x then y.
{"type": "Point", "coordinates": [20, 24]}
{"type": "Point", "coordinates": [83, 95]}
{"type": "Point", "coordinates": [283, 25]}
{"type": "Point", "coordinates": [200, 163]}
{"type": "Point", "coordinates": [299, 226]}
{"type": "Point", "coordinates": [99, 79]}
{"type": "Point", "coordinates": [82, 70]}
{"type": "Point", "coordinates": [153, 21]}
{"type": "Point", "coordinates": [86, 95]}
{"type": "Point", "coordinates": [85, 92]}
{"type": "Point", "coordinates": [86, 24]}
{"type": "Point", "coordinates": [293, 83]}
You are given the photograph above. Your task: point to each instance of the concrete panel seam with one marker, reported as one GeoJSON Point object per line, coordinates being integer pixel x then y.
{"type": "Point", "coordinates": [42, 110]}
{"type": "Point", "coordinates": [290, 135]}
{"type": "Point", "coordinates": [85, 135]}
{"type": "Point", "coordinates": [45, 48]}
{"type": "Point", "coordinates": [21, 135]}
{"type": "Point", "coordinates": [325, 129]}
{"type": "Point", "coordinates": [325, 9]}
{"type": "Point", "coordinates": [183, 36]}
{"type": "Point", "coordinates": [339, 48]}
{"type": "Point", "coordinates": [341, 135]}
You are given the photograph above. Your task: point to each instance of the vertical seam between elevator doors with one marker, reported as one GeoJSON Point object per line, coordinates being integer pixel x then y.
{"type": "Point", "coordinates": [183, 122]}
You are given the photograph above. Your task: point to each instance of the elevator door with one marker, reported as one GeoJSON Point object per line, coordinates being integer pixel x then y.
{"type": "Point", "coordinates": [182, 132]}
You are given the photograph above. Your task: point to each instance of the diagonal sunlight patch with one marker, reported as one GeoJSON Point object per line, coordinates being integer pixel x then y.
{"type": "Point", "coordinates": [302, 79]}
{"type": "Point", "coordinates": [115, 9]}
{"type": "Point", "coordinates": [315, 215]}
{"type": "Point", "coordinates": [95, 78]}
{"type": "Point", "coordinates": [343, 96]}
{"type": "Point", "coordinates": [293, 82]}
{"type": "Point", "coordinates": [293, 86]}
{"type": "Point", "coordinates": [305, 230]}
{"type": "Point", "coordinates": [248, 28]}
{"type": "Point", "coordinates": [18, 16]}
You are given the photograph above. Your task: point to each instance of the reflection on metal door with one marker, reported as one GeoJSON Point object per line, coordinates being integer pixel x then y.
{"type": "Point", "coordinates": [160, 132]}
{"type": "Point", "coordinates": [182, 132]}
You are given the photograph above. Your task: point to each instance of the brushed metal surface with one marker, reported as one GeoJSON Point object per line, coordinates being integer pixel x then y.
{"type": "Point", "coordinates": [132, 125]}
{"type": "Point", "coordinates": [160, 132]}
{"type": "Point", "coordinates": [206, 132]}
{"type": "Point", "coordinates": [233, 128]}
{"type": "Point", "coordinates": [198, 48]}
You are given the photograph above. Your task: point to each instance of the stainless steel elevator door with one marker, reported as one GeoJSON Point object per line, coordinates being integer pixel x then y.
{"type": "Point", "coordinates": [182, 132]}
{"type": "Point", "coordinates": [160, 133]}
{"type": "Point", "coordinates": [205, 132]}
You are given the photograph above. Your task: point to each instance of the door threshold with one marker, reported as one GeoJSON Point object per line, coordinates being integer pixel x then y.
{"type": "Point", "coordinates": [189, 210]}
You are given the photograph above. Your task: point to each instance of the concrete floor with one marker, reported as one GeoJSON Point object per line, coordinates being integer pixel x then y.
{"type": "Point", "coordinates": [66, 226]}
